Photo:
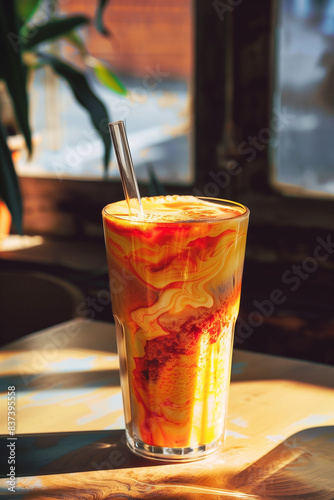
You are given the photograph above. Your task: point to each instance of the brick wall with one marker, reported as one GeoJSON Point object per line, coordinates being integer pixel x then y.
{"type": "Point", "coordinates": [144, 33]}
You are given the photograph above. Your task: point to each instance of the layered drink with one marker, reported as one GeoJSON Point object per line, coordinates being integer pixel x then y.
{"type": "Point", "coordinates": [175, 281]}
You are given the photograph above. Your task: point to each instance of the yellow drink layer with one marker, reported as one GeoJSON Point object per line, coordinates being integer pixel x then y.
{"type": "Point", "coordinates": [175, 279]}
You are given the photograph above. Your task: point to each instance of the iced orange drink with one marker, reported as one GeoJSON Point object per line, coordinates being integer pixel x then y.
{"type": "Point", "coordinates": [175, 280]}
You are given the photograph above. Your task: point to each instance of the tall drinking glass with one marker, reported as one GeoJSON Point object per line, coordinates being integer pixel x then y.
{"type": "Point", "coordinates": [175, 281]}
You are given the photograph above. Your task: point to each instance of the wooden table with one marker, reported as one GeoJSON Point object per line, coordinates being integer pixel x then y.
{"type": "Point", "coordinates": [70, 429]}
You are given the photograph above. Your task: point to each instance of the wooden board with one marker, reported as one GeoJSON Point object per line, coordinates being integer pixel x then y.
{"type": "Point", "coordinates": [70, 428]}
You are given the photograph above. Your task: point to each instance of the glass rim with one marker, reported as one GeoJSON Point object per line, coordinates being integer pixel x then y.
{"type": "Point", "coordinates": [243, 215]}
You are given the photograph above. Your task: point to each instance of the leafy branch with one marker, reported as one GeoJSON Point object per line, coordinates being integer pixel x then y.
{"type": "Point", "coordinates": [23, 45]}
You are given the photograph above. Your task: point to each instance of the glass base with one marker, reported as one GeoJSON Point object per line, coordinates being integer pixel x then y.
{"type": "Point", "coordinates": [165, 454]}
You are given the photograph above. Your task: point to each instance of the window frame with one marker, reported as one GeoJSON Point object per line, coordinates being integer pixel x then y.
{"type": "Point", "coordinates": [72, 207]}
{"type": "Point", "coordinates": [269, 204]}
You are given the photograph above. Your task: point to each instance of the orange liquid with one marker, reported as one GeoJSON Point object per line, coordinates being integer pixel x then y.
{"type": "Point", "coordinates": [175, 280]}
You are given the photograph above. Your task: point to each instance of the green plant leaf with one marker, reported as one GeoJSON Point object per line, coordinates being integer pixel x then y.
{"type": "Point", "coordinates": [84, 95]}
{"type": "Point", "coordinates": [105, 76]}
{"type": "Point", "coordinates": [9, 186]}
{"type": "Point", "coordinates": [26, 9]}
{"type": "Point", "coordinates": [155, 188]}
{"type": "Point", "coordinates": [12, 70]}
{"type": "Point", "coordinates": [52, 29]}
{"type": "Point", "coordinates": [99, 24]}
{"type": "Point", "coordinates": [74, 39]}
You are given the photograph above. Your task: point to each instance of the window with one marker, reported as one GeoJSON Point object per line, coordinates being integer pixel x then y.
{"type": "Point", "coordinates": [151, 51]}
{"type": "Point", "coordinates": [303, 149]}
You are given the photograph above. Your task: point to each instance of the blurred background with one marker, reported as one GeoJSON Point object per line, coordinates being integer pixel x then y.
{"type": "Point", "coordinates": [225, 99]}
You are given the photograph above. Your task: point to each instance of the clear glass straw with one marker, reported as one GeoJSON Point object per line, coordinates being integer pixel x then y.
{"type": "Point", "coordinates": [125, 165]}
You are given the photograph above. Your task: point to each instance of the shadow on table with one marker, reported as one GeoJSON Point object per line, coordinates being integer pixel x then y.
{"type": "Point", "coordinates": [66, 452]}
{"type": "Point", "coordinates": [300, 467]}
{"type": "Point", "coordinates": [61, 380]}
{"type": "Point", "coordinates": [258, 367]}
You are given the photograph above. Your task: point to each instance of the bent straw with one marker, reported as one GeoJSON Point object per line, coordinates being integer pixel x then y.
{"type": "Point", "coordinates": [125, 165]}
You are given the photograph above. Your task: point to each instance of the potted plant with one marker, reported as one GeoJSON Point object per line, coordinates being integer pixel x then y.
{"type": "Point", "coordinates": [22, 43]}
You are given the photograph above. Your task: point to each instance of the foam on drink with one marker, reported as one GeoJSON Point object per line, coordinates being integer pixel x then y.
{"type": "Point", "coordinates": [176, 208]}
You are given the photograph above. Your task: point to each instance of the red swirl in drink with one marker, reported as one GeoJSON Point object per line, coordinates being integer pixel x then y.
{"type": "Point", "coordinates": [175, 280]}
